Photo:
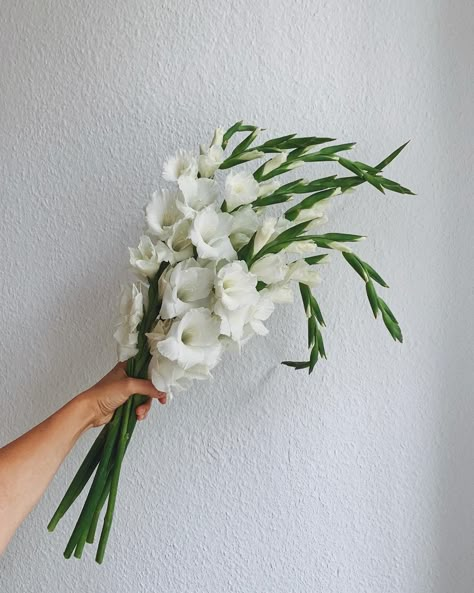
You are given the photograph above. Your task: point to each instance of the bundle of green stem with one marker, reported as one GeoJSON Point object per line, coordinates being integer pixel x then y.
{"type": "Point", "coordinates": [107, 452]}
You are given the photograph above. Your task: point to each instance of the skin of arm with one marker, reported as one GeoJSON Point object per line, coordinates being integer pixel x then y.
{"type": "Point", "coordinates": [28, 464]}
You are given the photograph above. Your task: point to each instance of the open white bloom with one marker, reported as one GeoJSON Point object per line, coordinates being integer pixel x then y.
{"type": "Point", "coordinates": [301, 271]}
{"type": "Point", "coordinates": [131, 314]}
{"type": "Point", "coordinates": [242, 323]}
{"type": "Point", "coordinates": [268, 187]}
{"type": "Point", "coordinates": [259, 313]}
{"type": "Point", "coordinates": [210, 160]}
{"type": "Point", "coordinates": [187, 286]}
{"type": "Point", "coordinates": [168, 376]}
{"type": "Point", "coordinates": [244, 225]}
{"type": "Point", "coordinates": [192, 340]}
{"type": "Point", "coordinates": [270, 268]}
{"type": "Point", "coordinates": [162, 213]}
{"type": "Point", "coordinates": [274, 163]}
{"type": "Point", "coordinates": [235, 287]}
{"type": "Point", "coordinates": [240, 189]}
{"type": "Point", "coordinates": [196, 194]}
{"type": "Point", "coordinates": [210, 232]}
{"type": "Point", "coordinates": [183, 163]}
{"type": "Point", "coordinates": [145, 258]}
{"type": "Point", "coordinates": [178, 246]}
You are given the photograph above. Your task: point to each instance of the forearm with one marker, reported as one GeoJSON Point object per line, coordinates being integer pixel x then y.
{"type": "Point", "coordinates": [28, 464]}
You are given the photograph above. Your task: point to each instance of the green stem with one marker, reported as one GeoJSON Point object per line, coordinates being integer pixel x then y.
{"type": "Point", "coordinates": [122, 446]}
{"type": "Point", "coordinates": [78, 537]}
{"type": "Point", "coordinates": [100, 504]}
{"type": "Point", "coordinates": [80, 479]}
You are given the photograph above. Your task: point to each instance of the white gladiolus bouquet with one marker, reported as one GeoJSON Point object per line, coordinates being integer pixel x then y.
{"type": "Point", "coordinates": [214, 260]}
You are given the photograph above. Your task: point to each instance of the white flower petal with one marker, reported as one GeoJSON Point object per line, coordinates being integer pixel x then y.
{"type": "Point", "coordinates": [162, 214]}
{"type": "Point", "coordinates": [210, 234]}
{"type": "Point", "coordinates": [240, 188]}
{"type": "Point", "coordinates": [183, 163]}
{"type": "Point", "coordinates": [270, 268]}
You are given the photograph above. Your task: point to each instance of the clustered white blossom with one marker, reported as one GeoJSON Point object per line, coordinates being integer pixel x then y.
{"type": "Point", "coordinates": [210, 300]}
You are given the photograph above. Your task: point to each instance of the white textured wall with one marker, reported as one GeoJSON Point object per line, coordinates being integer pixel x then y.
{"type": "Point", "coordinates": [356, 479]}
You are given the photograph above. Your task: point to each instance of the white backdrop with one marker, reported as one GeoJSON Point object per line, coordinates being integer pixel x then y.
{"type": "Point", "coordinates": [356, 479]}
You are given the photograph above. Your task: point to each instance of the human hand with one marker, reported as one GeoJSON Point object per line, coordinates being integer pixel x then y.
{"type": "Point", "coordinates": [113, 390]}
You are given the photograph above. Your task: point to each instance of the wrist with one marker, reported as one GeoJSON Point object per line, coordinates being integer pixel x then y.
{"type": "Point", "coordinates": [86, 411]}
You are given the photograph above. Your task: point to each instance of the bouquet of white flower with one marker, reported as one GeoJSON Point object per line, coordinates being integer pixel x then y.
{"type": "Point", "coordinates": [211, 266]}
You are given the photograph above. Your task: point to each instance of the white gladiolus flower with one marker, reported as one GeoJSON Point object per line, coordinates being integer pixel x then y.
{"type": "Point", "coordinates": [235, 287]}
{"type": "Point", "coordinates": [268, 187]}
{"type": "Point", "coordinates": [242, 323]}
{"type": "Point", "coordinates": [131, 314]}
{"type": "Point", "coordinates": [232, 323]}
{"type": "Point", "coordinates": [193, 340]}
{"type": "Point", "coordinates": [210, 232]}
{"type": "Point", "coordinates": [210, 160]}
{"type": "Point", "coordinates": [167, 376]}
{"type": "Point", "coordinates": [274, 163]}
{"type": "Point", "coordinates": [183, 163]}
{"type": "Point", "coordinates": [187, 286]}
{"type": "Point", "coordinates": [196, 194]}
{"type": "Point", "coordinates": [145, 258]}
{"type": "Point", "coordinates": [270, 268]}
{"type": "Point", "coordinates": [259, 313]}
{"type": "Point", "coordinates": [244, 225]}
{"type": "Point", "coordinates": [240, 189]}
{"type": "Point", "coordinates": [162, 214]}
{"type": "Point", "coordinates": [301, 271]}
{"type": "Point", "coordinates": [178, 246]}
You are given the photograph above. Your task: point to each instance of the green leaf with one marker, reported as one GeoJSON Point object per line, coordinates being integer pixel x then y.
{"type": "Point", "coordinates": [394, 186]}
{"type": "Point", "coordinates": [372, 296]}
{"type": "Point", "coordinates": [315, 259]}
{"type": "Point", "coordinates": [391, 157]}
{"type": "Point", "coordinates": [304, 142]}
{"type": "Point", "coordinates": [315, 185]}
{"type": "Point", "coordinates": [245, 143]}
{"type": "Point", "coordinates": [351, 166]}
{"type": "Point", "coordinates": [296, 365]}
{"type": "Point", "coordinates": [313, 358]}
{"type": "Point", "coordinates": [306, 298]}
{"type": "Point", "coordinates": [277, 141]}
{"type": "Point", "coordinates": [230, 132]}
{"type": "Point", "coordinates": [275, 198]}
{"type": "Point", "coordinates": [292, 232]}
{"type": "Point", "coordinates": [317, 311]}
{"type": "Point", "coordinates": [342, 237]}
{"type": "Point", "coordinates": [337, 148]}
{"type": "Point", "coordinates": [308, 202]}
{"type": "Point", "coordinates": [374, 275]}
{"type": "Point", "coordinates": [245, 253]}
{"type": "Point", "coordinates": [320, 344]}
{"type": "Point", "coordinates": [356, 264]}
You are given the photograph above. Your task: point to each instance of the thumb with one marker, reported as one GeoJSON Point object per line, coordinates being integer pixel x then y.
{"type": "Point", "coordinates": [143, 387]}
